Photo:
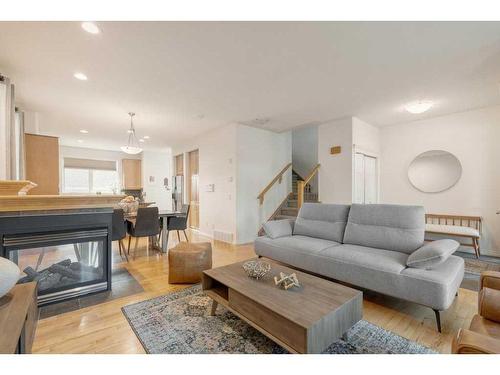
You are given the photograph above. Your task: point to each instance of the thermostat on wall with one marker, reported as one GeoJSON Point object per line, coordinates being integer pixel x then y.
{"type": "Point", "coordinates": [335, 150]}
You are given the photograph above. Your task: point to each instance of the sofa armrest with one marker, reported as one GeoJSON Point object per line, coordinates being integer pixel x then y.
{"type": "Point", "coordinates": [490, 279]}
{"type": "Point", "coordinates": [489, 304]}
{"type": "Point", "coordinates": [468, 342]}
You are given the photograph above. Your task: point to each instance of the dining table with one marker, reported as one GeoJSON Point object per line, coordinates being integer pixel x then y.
{"type": "Point", "coordinates": [163, 215]}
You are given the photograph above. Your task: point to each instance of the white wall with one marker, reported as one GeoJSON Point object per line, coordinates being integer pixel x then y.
{"type": "Point", "coordinates": [240, 161]}
{"type": "Point", "coordinates": [305, 153]}
{"type": "Point", "coordinates": [261, 155]}
{"type": "Point", "coordinates": [4, 141]}
{"type": "Point", "coordinates": [155, 167]}
{"type": "Point", "coordinates": [31, 122]}
{"type": "Point", "coordinates": [473, 137]}
{"type": "Point", "coordinates": [365, 137]}
{"type": "Point", "coordinates": [335, 175]}
{"type": "Point", "coordinates": [90, 153]}
{"type": "Point", "coordinates": [217, 165]}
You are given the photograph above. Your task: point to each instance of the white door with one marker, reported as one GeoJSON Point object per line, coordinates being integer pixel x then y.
{"type": "Point", "coordinates": [365, 179]}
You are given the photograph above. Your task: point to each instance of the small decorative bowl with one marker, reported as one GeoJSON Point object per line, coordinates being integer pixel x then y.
{"type": "Point", "coordinates": [256, 269]}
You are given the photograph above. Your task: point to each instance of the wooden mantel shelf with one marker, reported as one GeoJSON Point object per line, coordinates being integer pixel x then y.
{"type": "Point", "coordinates": [56, 202]}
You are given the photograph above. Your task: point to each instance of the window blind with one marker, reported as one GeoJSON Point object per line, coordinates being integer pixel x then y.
{"type": "Point", "coordinates": [107, 165]}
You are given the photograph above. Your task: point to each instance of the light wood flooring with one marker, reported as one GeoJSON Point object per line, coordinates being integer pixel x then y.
{"type": "Point", "coordinates": [103, 328]}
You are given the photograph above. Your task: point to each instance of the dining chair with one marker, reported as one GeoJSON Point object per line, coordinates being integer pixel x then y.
{"type": "Point", "coordinates": [179, 222]}
{"type": "Point", "coordinates": [119, 230]}
{"type": "Point", "coordinates": [146, 224]}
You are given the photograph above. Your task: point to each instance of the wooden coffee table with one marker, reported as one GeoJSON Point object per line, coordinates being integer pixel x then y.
{"type": "Point", "coordinates": [302, 320]}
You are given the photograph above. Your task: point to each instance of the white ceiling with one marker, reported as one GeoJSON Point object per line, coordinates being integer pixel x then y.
{"type": "Point", "coordinates": [185, 78]}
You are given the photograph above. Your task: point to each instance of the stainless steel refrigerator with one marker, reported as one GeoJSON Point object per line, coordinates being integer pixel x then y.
{"type": "Point", "coordinates": [177, 192]}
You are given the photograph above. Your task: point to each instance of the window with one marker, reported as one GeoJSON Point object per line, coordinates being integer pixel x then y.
{"type": "Point", "coordinates": [82, 176]}
{"type": "Point", "coordinates": [76, 180]}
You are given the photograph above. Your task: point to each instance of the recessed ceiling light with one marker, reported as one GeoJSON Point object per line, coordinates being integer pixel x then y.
{"type": "Point", "coordinates": [90, 27]}
{"type": "Point", "coordinates": [146, 137]}
{"type": "Point", "coordinates": [80, 76]}
{"type": "Point", "coordinates": [83, 131]}
{"type": "Point", "coordinates": [80, 141]}
{"type": "Point", "coordinates": [142, 140]}
{"type": "Point", "coordinates": [419, 106]}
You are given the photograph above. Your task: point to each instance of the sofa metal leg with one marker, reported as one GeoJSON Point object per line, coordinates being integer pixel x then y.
{"type": "Point", "coordinates": [438, 320]}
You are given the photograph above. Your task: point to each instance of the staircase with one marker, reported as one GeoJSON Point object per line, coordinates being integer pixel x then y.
{"type": "Point", "coordinates": [288, 209]}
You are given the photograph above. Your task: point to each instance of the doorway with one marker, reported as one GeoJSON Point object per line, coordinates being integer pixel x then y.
{"type": "Point", "coordinates": [178, 183]}
{"type": "Point", "coordinates": [365, 179]}
{"type": "Point", "coordinates": [193, 189]}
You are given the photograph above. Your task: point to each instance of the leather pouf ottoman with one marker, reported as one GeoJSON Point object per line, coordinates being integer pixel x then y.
{"type": "Point", "coordinates": [187, 261]}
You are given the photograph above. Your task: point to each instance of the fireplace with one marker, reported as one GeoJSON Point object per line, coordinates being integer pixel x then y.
{"type": "Point", "coordinates": [66, 253]}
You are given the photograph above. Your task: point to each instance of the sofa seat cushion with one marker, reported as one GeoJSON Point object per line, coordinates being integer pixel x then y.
{"type": "Point", "coordinates": [367, 257]}
{"type": "Point", "coordinates": [303, 244]}
{"type": "Point", "coordinates": [319, 220]}
{"type": "Point", "coordinates": [386, 226]}
{"type": "Point", "coordinates": [375, 269]}
{"type": "Point", "coordinates": [452, 230]}
{"type": "Point", "coordinates": [297, 251]}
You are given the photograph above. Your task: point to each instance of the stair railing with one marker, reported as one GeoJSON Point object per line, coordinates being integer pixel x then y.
{"type": "Point", "coordinates": [278, 179]}
{"type": "Point", "coordinates": [301, 185]}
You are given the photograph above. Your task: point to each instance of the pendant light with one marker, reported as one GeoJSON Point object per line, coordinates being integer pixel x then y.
{"type": "Point", "coordinates": [132, 146]}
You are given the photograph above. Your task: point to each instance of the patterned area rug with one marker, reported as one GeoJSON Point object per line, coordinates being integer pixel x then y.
{"type": "Point", "coordinates": [474, 267]}
{"type": "Point", "coordinates": [179, 323]}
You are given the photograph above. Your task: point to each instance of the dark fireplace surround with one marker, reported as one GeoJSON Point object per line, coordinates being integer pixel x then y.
{"type": "Point", "coordinates": [68, 252]}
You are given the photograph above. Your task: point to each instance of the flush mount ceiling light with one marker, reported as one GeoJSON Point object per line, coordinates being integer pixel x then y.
{"type": "Point", "coordinates": [132, 146]}
{"type": "Point", "coordinates": [80, 76]}
{"type": "Point", "coordinates": [83, 131]}
{"type": "Point", "coordinates": [146, 137]}
{"type": "Point", "coordinates": [419, 106]}
{"type": "Point", "coordinates": [90, 27]}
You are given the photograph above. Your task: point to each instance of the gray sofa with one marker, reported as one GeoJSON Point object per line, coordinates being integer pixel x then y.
{"type": "Point", "coordinates": [377, 247]}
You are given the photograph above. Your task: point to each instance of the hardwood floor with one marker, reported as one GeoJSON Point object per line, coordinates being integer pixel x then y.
{"type": "Point", "coordinates": [103, 328]}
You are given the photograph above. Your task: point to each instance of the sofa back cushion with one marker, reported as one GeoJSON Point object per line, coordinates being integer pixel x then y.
{"type": "Point", "coordinates": [386, 226]}
{"type": "Point", "coordinates": [326, 221]}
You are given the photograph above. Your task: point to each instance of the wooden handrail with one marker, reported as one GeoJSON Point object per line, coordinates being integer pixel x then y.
{"type": "Point", "coordinates": [278, 178]}
{"type": "Point", "coordinates": [301, 185]}
{"type": "Point", "coordinates": [312, 174]}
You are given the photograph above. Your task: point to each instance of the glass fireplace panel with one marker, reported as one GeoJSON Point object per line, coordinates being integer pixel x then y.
{"type": "Point", "coordinates": [61, 267]}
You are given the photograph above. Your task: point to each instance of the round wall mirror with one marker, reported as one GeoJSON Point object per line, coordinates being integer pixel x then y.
{"type": "Point", "coordinates": [434, 171]}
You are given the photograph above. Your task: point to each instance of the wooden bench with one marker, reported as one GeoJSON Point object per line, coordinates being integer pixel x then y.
{"type": "Point", "coordinates": [457, 226]}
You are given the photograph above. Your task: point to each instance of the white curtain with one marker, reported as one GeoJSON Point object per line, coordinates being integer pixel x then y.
{"type": "Point", "coordinates": [11, 134]}
{"type": "Point", "coordinates": [18, 138]}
